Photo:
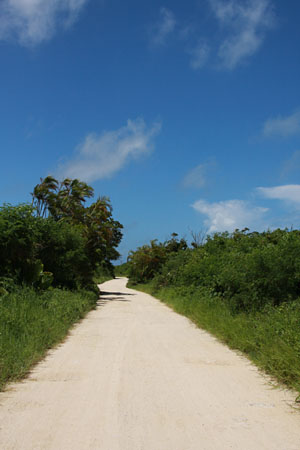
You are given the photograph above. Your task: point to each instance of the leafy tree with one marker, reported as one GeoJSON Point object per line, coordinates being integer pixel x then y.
{"type": "Point", "coordinates": [103, 233]}
{"type": "Point", "coordinates": [147, 261]}
{"type": "Point", "coordinates": [58, 238]}
{"type": "Point", "coordinates": [65, 201]}
{"type": "Point", "coordinates": [62, 248]}
{"type": "Point", "coordinates": [247, 270]}
{"type": "Point", "coordinates": [44, 195]}
{"type": "Point", "coordinates": [19, 242]}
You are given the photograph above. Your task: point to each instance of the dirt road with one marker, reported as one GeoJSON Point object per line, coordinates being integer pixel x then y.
{"type": "Point", "coordinates": [136, 376]}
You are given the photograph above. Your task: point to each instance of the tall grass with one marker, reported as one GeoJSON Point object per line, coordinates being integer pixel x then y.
{"type": "Point", "coordinates": [32, 322]}
{"type": "Point", "coordinates": [270, 338]}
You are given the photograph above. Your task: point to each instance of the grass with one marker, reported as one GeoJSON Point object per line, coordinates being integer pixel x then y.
{"type": "Point", "coordinates": [102, 278]}
{"type": "Point", "coordinates": [32, 322]}
{"type": "Point", "coordinates": [271, 338]}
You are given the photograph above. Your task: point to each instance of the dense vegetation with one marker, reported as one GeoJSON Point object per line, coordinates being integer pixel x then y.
{"type": "Point", "coordinates": [243, 287]}
{"type": "Point", "coordinates": [58, 240]}
{"type": "Point", "coordinates": [52, 253]}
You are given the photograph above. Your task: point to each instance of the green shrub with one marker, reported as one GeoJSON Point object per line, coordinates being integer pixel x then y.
{"type": "Point", "coordinates": [147, 261]}
{"type": "Point", "coordinates": [19, 242]}
{"type": "Point", "coordinates": [249, 271]}
{"type": "Point", "coordinates": [62, 250]}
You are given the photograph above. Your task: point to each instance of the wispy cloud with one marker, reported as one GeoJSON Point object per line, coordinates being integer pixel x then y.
{"type": "Point", "coordinates": [229, 215]}
{"type": "Point", "coordinates": [198, 176]}
{"type": "Point", "coordinates": [247, 23]}
{"type": "Point", "coordinates": [283, 126]}
{"type": "Point", "coordinates": [163, 28]}
{"type": "Point", "coordinates": [199, 54]}
{"type": "Point", "coordinates": [31, 22]}
{"type": "Point", "coordinates": [168, 26]}
{"type": "Point", "coordinates": [291, 165]}
{"type": "Point", "coordinates": [289, 193]}
{"type": "Point", "coordinates": [195, 178]}
{"type": "Point", "coordinates": [244, 24]}
{"type": "Point", "coordinates": [101, 156]}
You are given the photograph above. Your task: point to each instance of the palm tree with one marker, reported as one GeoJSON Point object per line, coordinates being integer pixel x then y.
{"type": "Point", "coordinates": [71, 198]}
{"type": "Point", "coordinates": [63, 200]}
{"type": "Point", "coordinates": [44, 194]}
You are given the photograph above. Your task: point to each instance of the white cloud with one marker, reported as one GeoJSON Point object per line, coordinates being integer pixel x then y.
{"type": "Point", "coordinates": [283, 126]}
{"type": "Point", "coordinates": [289, 193]}
{"type": "Point", "coordinates": [197, 177]}
{"type": "Point", "coordinates": [247, 22]}
{"type": "Point", "coordinates": [199, 55]}
{"type": "Point", "coordinates": [291, 165]}
{"type": "Point", "coordinates": [229, 215]}
{"type": "Point", "coordinates": [168, 25]}
{"type": "Point", "coordinates": [31, 22]}
{"type": "Point", "coordinates": [100, 156]}
{"type": "Point", "coordinates": [243, 24]}
{"type": "Point", "coordinates": [164, 27]}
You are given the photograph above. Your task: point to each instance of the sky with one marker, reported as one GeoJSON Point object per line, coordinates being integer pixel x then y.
{"type": "Point", "coordinates": [186, 114]}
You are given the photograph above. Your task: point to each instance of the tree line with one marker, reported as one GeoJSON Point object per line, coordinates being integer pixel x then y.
{"type": "Point", "coordinates": [57, 240]}
{"type": "Point", "coordinates": [247, 270]}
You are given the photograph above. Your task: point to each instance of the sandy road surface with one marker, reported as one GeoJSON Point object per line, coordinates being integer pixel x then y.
{"type": "Point", "coordinates": [136, 376]}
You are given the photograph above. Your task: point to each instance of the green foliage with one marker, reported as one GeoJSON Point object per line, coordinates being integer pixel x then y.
{"type": "Point", "coordinates": [122, 270]}
{"type": "Point", "coordinates": [62, 250]}
{"type": "Point", "coordinates": [46, 280]}
{"type": "Point", "coordinates": [147, 261]}
{"type": "Point", "coordinates": [101, 234]}
{"type": "Point", "coordinates": [31, 322]}
{"type": "Point", "coordinates": [104, 273]}
{"type": "Point", "coordinates": [58, 240]}
{"type": "Point", "coordinates": [61, 200]}
{"type": "Point", "coordinates": [3, 291]}
{"type": "Point", "coordinates": [7, 284]}
{"type": "Point", "coordinates": [248, 270]}
{"type": "Point", "coordinates": [29, 245]}
{"type": "Point", "coordinates": [19, 242]}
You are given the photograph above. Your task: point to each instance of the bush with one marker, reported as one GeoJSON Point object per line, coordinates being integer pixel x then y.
{"type": "Point", "coordinates": [248, 271]}
{"type": "Point", "coordinates": [38, 251]}
{"type": "Point", "coordinates": [62, 250]}
{"type": "Point", "coordinates": [147, 261]}
{"type": "Point", "coordinates": [19, 243]}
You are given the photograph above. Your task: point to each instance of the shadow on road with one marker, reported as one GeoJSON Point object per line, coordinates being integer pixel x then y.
{"type": "Point", "coordinates": [114, 293]}
{"type": "Point", "coordinates": [108, 296]}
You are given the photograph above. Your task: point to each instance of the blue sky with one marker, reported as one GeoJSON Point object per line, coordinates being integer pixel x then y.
{"type": "Point", "coordinates": [186, 114]}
